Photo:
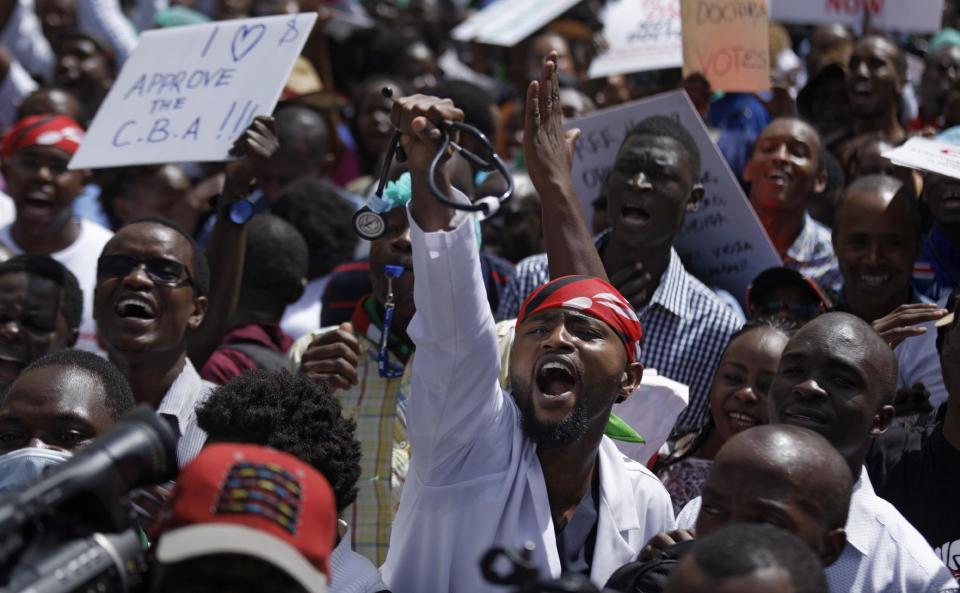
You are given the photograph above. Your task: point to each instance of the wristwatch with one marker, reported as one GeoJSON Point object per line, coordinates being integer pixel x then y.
{"type": "Point", "coordinates": [241, 211]}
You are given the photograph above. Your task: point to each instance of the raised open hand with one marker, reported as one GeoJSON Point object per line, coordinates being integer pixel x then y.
{"type": "Point", "coordinates": [547, 149]}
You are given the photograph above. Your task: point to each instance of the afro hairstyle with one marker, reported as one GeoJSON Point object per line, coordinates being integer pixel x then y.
{"type": "Point", "coordinates": [291, 414]}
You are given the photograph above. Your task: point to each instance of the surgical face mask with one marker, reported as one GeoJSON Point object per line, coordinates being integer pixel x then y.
{"type": "Point", "coordinates": [23, 466]}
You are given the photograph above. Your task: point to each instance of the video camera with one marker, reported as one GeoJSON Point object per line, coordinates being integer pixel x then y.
{"type": "Point", "coordinates": [502, 566]}
{"type": "Point", "coordinates": [74, 529]}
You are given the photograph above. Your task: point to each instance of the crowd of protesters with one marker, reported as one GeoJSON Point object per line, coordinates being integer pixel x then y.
{"type": "Point", "coordinates": [372, 416]}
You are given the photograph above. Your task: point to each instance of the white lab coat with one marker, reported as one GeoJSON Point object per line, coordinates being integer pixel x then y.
{"type": "Point", "coordinates": [474, 480]}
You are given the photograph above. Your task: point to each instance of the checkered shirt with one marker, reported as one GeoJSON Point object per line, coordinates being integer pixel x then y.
{"type": "Point", "coordinates": [685, 326]}
{"type": "Point", "coordinates": [378, 405]}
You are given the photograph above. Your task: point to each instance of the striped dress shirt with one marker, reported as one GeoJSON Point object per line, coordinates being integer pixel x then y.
{"type": "Point", "coordinates": [685, 326]}
{"type": "Point", "coordinates": [179, 406]}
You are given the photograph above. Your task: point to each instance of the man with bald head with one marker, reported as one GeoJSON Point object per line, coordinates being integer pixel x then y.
{"type": "Point", "coordinates": [306, 150]}
{"type": "Point", "coordinates": [877, 238]}
{"type": "Point", "coordinates": [782, 475]}
{"type": "Point", "coordinates": [784, 170]}
{"type": "Point", "coordinates": [837, 377]}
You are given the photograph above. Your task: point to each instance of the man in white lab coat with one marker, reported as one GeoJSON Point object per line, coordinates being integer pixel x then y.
{"type": "Point", "coordinates": [487, 468]}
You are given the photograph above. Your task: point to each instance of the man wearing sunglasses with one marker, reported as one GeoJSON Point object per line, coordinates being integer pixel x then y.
{"type": "Point", "coordinates": [876, 236]}
{"type": "Point", "coordinates": [152, 286]}
{"type": "Point", "coordinates": [152, 292]}
{"type": "Point", "coordinates": [35, 154]}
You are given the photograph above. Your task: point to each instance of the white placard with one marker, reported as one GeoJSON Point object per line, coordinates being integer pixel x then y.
{"type": "Point", "coordinates": [915, 16]}
{"type": "Point", "coordinates": [508, 22]}
{"type": "Point", "coordinates": [643, 35]}
{"type": "Point", "coordinates": [723, 243]}
{"type": "Point", "coordinates": [927, 155]}
{"type": "Point", "coordinates": [187, 93]}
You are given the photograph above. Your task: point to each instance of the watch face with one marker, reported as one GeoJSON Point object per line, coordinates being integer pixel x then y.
{"type": "Point", "coordinates": [241, 211]}
{"type": "Point", "coordinates": [369, 224]}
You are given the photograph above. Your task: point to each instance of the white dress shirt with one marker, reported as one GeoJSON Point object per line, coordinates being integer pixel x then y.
{"type": "Point", "coordinates": [475, 480]}
{"type": "Point", "coordinates": [884, 553]}
{"type": "Point", "coordinates": [351, 572]}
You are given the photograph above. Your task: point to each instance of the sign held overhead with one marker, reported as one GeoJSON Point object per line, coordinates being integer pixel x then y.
{"type": "Point", "coordinates": [187, 93]}
{"type": "Point", "coordinates": [727, 41]}
{"type": "Point", "coordinates": [643, 35]}
{"type": "Point", "coordinates": [913, 16]}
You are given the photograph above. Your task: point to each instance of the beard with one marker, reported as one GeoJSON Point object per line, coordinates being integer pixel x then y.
{"type": "Point", "coordinates": [548, 435]}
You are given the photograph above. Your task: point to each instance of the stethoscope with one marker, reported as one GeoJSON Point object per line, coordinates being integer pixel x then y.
{"type": "Point", "coordinates": [369, 221]}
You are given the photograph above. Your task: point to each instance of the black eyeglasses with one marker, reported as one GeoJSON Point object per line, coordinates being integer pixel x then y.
{"type": "Point", "coordinates": [160, 269]}
{"type": "Point", "coordinates": [802, 311]}
{"type": "Point", "coordinates": [31, 163]}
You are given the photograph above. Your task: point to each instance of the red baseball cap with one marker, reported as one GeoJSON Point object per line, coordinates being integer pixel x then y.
{"type": "Point", "coordinates": [253, 501]}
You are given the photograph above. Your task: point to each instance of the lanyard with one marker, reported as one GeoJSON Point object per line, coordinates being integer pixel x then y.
{"type": "Point", "coordinates": [383, 361]}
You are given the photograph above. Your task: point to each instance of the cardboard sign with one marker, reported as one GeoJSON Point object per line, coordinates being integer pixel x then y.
{"type": "Point", "coordinates": [643, 35]}
{"type": "Point", "coordinates": [187, 93]}
{"type": "Point", "coordinates": [723, 243]}
{"type": "Point", "coordinates": [915, 16]}
{"type": "Point", "coordinates": [927, 155]}
{"type": "Point", "coordinates": [727, 41]}
{"type": "Point", "coordinates": [508, 22]}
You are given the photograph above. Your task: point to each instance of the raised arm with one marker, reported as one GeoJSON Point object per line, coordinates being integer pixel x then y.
{"type": "Point", "coordinates": [456, 411]}
{"type": "Point", "coordinates": [548, 152]}
{"type": "Point", "coordinates": [228, 241]}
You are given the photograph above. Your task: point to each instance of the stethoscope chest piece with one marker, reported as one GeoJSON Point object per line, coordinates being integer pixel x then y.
{"type": "Point", "coordinates": [369, 224]}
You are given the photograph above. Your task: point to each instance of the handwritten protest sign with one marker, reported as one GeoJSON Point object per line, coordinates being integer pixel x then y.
{"type": "Point", "coordinates": [927, 155]}
{"type": "Point", "coordinates": [723, 243]}
{"type": "Point", "coordinates": [187, 93]}
{"type": "Point", "coordinates": [915, 16]}
{"type": "Point", "coordinates": [643, 35]}
{"type": "Point", "coordinates": [727, 41]}
{"type": "Point", "coordinates": [508, 22]}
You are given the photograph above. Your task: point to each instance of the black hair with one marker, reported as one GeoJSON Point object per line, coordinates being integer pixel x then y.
{"type": "Point", "coordinates": [71, 295]}
{"type": "Point", "coordinates": [740, 550]}
{"type": "Point", "coordinates": [388, 50]}
{"type": "Point", "coordinates": [275, 261]}
{"type": "Point", "coordinates": [303, 126]}
{"type": "Point", "coordinates": [117, 394]}
{"type": "Point", "coordinates": [292, 414]}
{"type": "Point", "coordinates": [663, 126]}
{"type": "Point", "coordinates": [323, 218]}
{"type": "Point", "coordinates": [473, 100]}
{"type": "Point", "coordinates": [885, 183]}
{"type": "Point", "coordinates": [785, 327]}
{"type": "Point", "coordinates": [199, 263]}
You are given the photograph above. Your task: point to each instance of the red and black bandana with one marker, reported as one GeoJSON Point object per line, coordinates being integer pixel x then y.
{"type": "Point", "coordinates": [593, 297]}
{"type": "Point", "coordinates": [58, 131]}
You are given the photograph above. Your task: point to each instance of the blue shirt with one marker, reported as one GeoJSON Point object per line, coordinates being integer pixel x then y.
{"type": "Point", "coordinates": [936, 271]}
{"type": "Point", "coordinates": [685, 326]}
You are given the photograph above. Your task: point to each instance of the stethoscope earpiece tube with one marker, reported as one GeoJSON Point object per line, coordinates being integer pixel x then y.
{"type": "Point", "coordinates": [371, 225]}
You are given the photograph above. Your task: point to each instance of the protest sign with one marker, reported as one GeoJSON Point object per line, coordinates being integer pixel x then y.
{"type": "Point", "coordinates": [187, 93]}
{"type": "Point", "coordinates": [914, 16]}
{"type": "Point", "coordinates": [727, 41]}
{"type": "Point", "coordinates": [723, 243]}
{"type": "Point", "coordinates": [643, 35]}
{"type": "Point", "coordinates": [508, 22]}
{"type": "Point", "coordinates": [927, 155]}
